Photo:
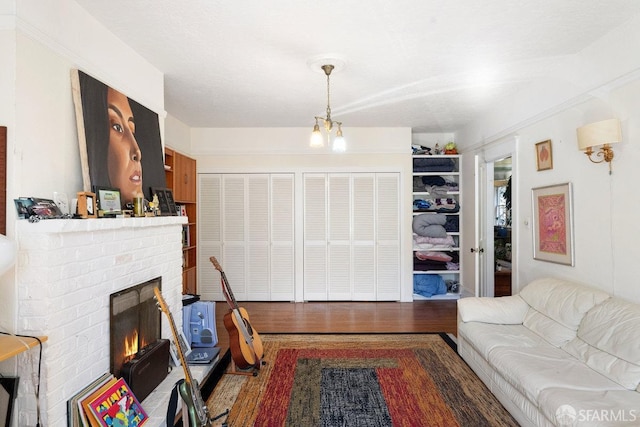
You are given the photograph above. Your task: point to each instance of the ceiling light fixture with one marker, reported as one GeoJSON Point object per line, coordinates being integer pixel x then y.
{"type": "Point", "coordinates": [317, 141]}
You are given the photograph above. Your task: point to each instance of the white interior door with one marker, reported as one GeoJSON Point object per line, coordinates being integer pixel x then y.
{"type": "Point", "coordinates": [486, 216]}
{"type": "Point", "coordinates": [478, 249]}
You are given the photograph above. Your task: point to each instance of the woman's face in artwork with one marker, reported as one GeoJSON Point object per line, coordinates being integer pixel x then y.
{"type": "Point", "coordinates": [125, 169]}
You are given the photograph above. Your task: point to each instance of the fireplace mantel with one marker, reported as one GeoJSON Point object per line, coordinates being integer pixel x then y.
{"type": "Point", "coordinates": [66, 270]}
{"type": "Point", "coordinates": [103, 224]}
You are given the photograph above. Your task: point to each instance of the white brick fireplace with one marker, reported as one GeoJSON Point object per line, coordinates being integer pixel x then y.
{"type": "Point", "coordinates": [66, 271]}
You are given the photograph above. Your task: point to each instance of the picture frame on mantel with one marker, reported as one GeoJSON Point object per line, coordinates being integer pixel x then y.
{"type": "Point", "coordinates": [87, 207]}
{"type": "Point", "coordinates": [109, 202]}
{"type": "Point", "coordinates": [553, 224]}
{"type": "Point", "coordinates": [166, 203]}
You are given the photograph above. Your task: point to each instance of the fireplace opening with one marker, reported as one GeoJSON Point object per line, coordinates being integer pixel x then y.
{"type": "Point", "coordinates": [135, 322]}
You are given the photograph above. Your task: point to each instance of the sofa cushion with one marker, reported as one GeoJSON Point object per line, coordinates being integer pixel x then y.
{"type": "Point", "coordinates": [591, 408]}
{"type": "Point", "coordinates": [504, 310]}
{"type": "Point", "coordinates": [533, 369]}
{"type": "Point", "coordinates": [484, 337]}
{"type": "Point", "coordinates": [557, 307]}
{"type": "Point", "coordinates": [609, 341]}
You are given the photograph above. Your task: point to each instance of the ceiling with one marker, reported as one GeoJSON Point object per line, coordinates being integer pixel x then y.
{"type": "Point", "coordinates": [432, 65]}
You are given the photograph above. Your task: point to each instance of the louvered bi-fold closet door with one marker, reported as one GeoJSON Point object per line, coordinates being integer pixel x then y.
{"type": "Point", "coordinates": [254, 224]}
{"type": "Point", "coordinates": [315, 237]}
{"type": "Point", "coordinates": [339, 233]}
{"type": "Point", "coordinates": [364, 237]}
{"type": "Point", "coordinates": [352, 236]}
{"type": "Point", "coordinates": [282, 226]}
{"type": "Point", "coordinates": [209, 235]}
{"type": "Point", "coordinates": [387, 237]}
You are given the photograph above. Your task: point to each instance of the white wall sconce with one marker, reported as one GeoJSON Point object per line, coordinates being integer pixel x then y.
{"type": "Point", "coordinates": [602, 133]}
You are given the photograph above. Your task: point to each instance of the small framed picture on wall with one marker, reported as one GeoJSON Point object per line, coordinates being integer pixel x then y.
{"type": "Point", "coordinates": [544, 156]}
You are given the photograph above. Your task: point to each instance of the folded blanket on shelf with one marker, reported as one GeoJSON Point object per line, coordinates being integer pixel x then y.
{"type": "Point", "coordinates": [434, 256]}
{"type": "Point", "coordinates": [432, 180]}
{"type": "Point", "coordinates": [424, 242]}
{"type": "Point", "coordinates": [437, 190]}
{"type": "Point", "coordinates": [429, 225]}
{"type": "Point", "coordinates": [452, 225]}
{"type": "Point", "coordinates": [442, 205]}
{"type": "Point", "coordinates": [453, 266]}
{"type": "Point", "coordinates": [429, 284]}
{"type": "Point", "coordinates": [428, 265]}
{"type": "Point", "coordinates": [437, 164]}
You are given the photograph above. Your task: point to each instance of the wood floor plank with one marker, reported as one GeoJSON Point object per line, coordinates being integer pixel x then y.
{"type": "Point", "coordinates": [344, 317]}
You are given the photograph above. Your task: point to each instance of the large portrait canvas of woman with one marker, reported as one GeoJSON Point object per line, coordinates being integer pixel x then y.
{"type": "Point", "coordinates": [119, 140]}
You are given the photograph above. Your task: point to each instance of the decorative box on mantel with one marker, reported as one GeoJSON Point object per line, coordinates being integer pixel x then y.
{"type": "Point", "coordinates": [66, 270]}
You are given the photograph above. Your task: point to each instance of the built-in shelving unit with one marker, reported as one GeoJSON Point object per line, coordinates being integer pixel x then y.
{"type": "Point", "coordinates": [436, 181]}
{"type": "Point", "coordinates": [180, 174]}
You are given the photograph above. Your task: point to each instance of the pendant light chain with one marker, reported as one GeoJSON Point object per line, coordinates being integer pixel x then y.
{"type": "Point", "coordinates": [328, 102]}
{"type": "Point", "coordinates": [316, 137]}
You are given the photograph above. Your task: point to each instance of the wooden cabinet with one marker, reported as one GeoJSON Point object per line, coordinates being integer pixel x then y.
{"type": "Point", "coordinates": [180, 174]}
{"type": "Point", "coordinates": [184, 178]}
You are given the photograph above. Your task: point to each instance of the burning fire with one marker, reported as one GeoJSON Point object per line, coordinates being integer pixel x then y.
{"type": "Point", "coordinates": [130, 346]}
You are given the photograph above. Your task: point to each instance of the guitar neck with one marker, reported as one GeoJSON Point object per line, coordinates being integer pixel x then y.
{"type": "Point", "coordinates": [176, 338]}
{"type": "Point", "coordinates": [226, 287]}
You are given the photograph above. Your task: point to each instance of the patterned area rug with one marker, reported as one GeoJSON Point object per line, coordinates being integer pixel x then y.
{"type": "Point", "coordinates": [358, 380]}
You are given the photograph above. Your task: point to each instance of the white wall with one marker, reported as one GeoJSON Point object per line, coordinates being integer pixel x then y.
{"type": "Point", "coordinates": [601, 82]}
{"type": "Point", "coordinates": [41, 42]}
{"type": "Point", "coordinates": [177, 135]}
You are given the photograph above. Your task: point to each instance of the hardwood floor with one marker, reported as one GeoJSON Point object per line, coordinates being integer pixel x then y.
{"type": "Point", "coordinates": [344, 317]}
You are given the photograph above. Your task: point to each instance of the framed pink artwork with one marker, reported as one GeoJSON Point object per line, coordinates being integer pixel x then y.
{"type": "Point", "coordinates": [553, 224]}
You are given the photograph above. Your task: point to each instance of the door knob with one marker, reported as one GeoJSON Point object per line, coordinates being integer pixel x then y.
{"type": "Point", "coordinates": [479, 250]}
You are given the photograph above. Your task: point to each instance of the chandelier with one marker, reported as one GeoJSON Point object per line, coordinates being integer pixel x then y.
{"type": "Point", "coordinates": [317, 140]}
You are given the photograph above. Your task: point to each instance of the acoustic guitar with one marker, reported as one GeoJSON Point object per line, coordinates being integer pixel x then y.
{"type": "Point", "coordinates": [197, 410]}
{"type": "Point", "coordinates": [244, 342]}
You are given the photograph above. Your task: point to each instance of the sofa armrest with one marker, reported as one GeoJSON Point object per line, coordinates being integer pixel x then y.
{"type": "Point", "coordinates": [508, 310]}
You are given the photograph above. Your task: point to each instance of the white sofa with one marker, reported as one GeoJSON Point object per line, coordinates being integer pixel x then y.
{"type": "Point", "coordinates": [558, 353]}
